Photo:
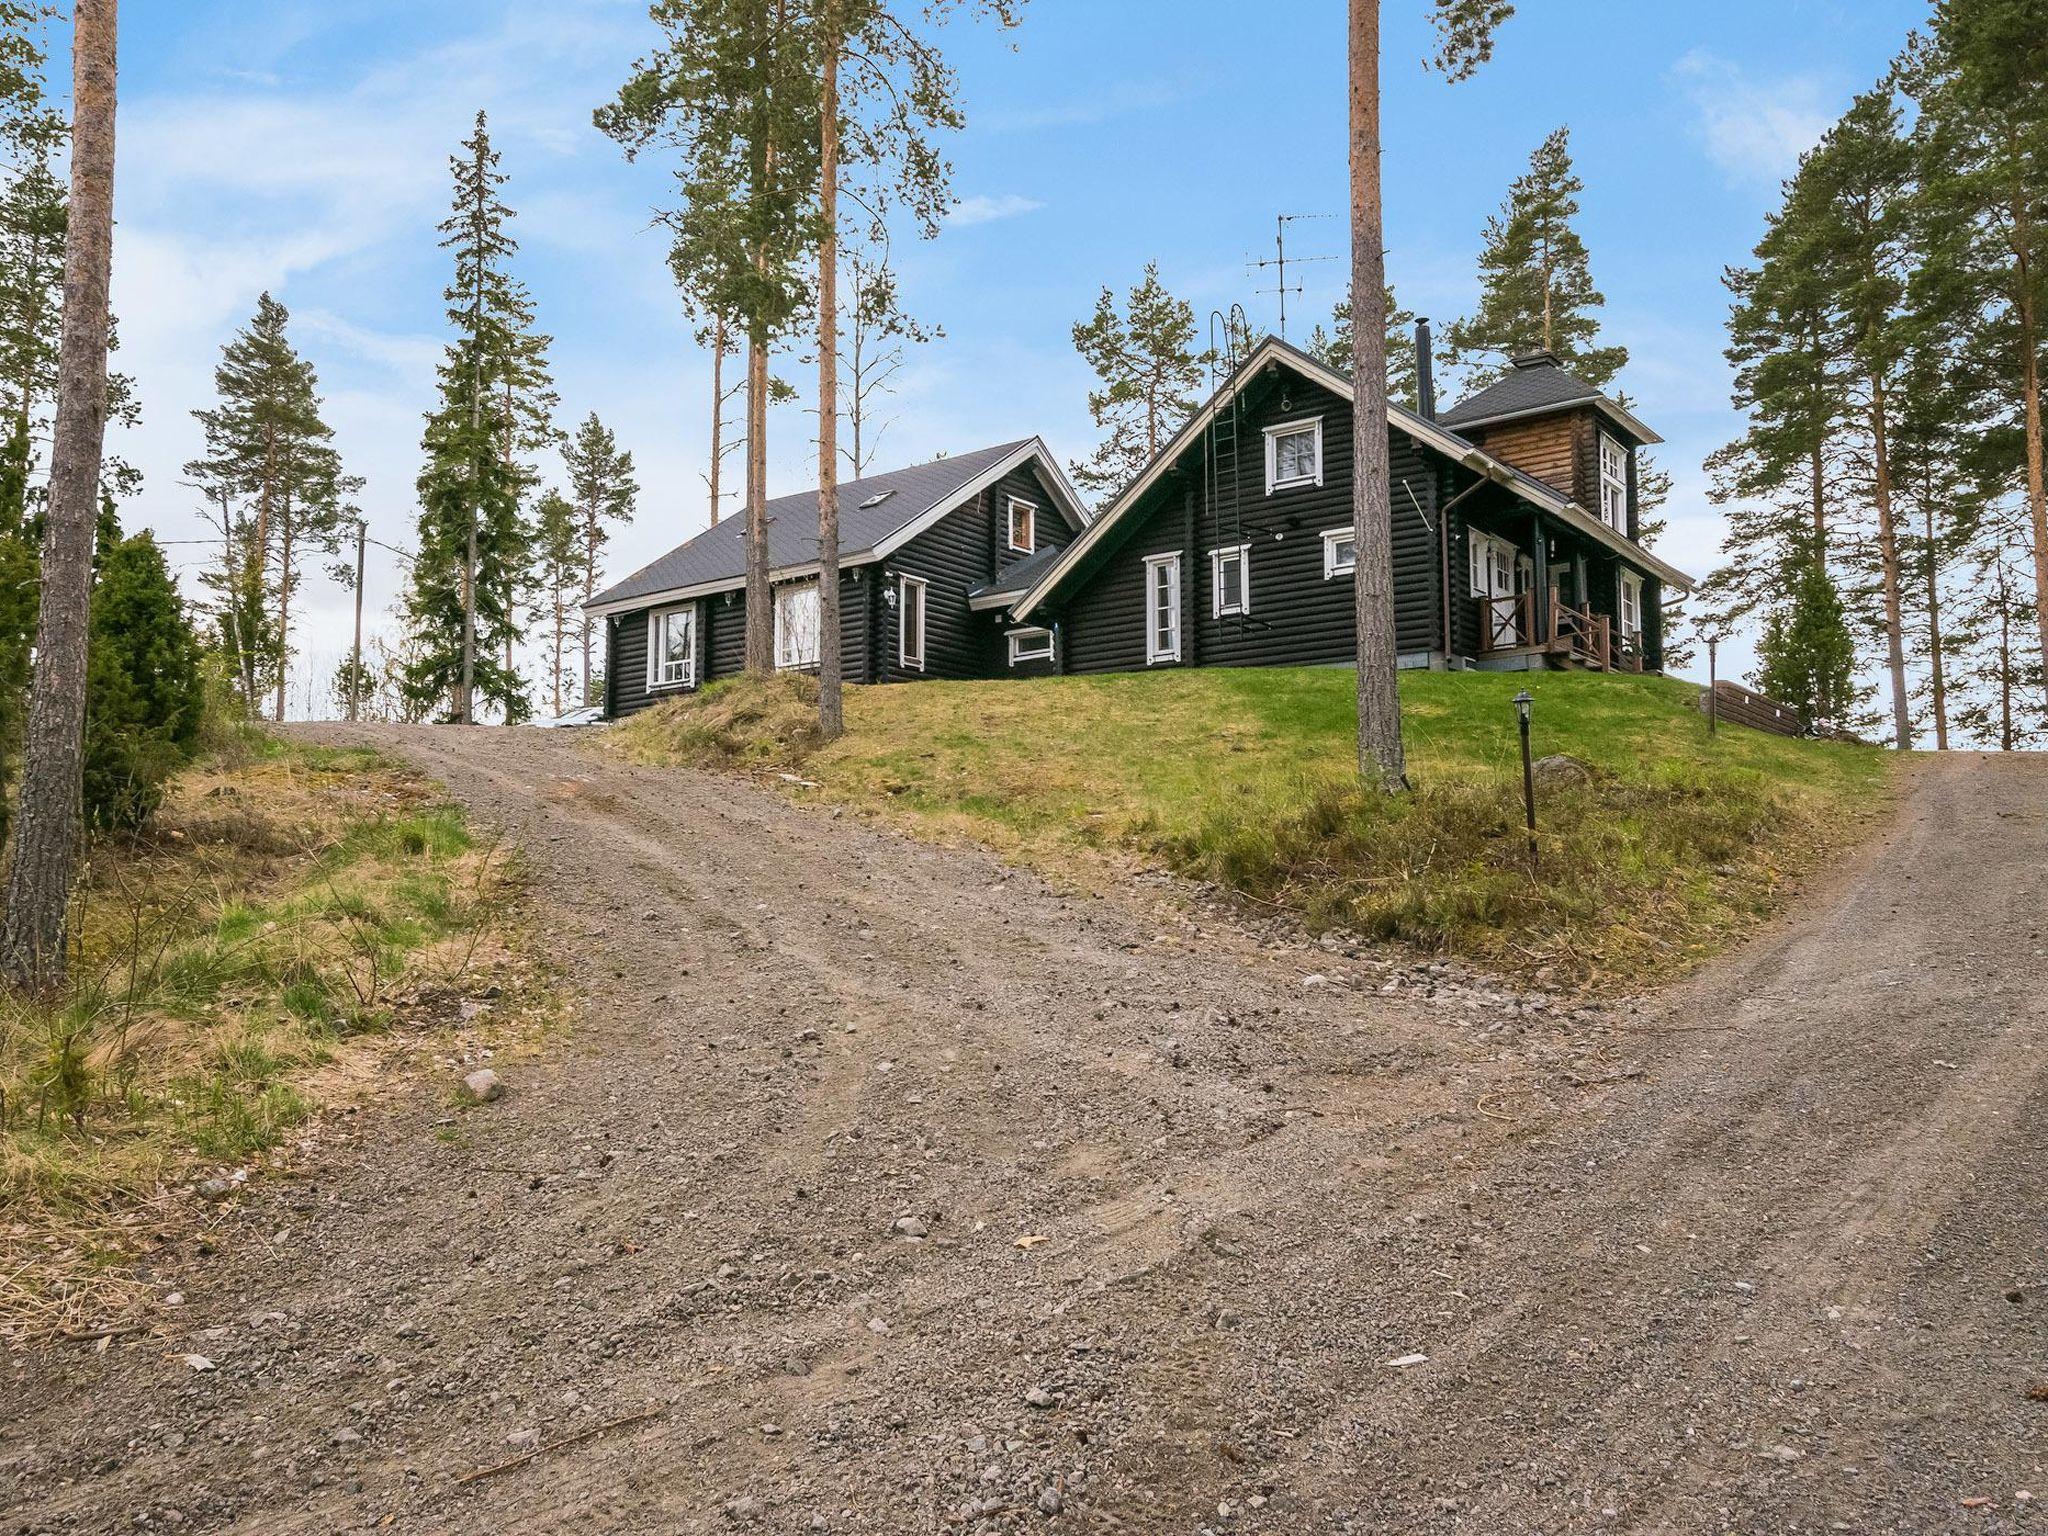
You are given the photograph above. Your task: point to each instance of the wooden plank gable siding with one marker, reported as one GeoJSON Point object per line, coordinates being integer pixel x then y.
{"type": "Point", "coordinates": [1551, 448]}
{"type": "Point", "coordinates": [1299, 616]}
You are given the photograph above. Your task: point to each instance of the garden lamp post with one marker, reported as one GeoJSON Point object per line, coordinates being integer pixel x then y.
{"type": "Point", "coordinates": [1522, 702]}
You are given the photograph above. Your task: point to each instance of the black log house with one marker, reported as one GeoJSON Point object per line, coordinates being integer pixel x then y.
{"type": "Point", "coordinates": [1515, 521]}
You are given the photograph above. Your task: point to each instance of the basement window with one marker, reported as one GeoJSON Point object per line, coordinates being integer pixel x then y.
{"type": "Point", "coordinates": [1294, 455]}
{"type": "Point", "coordinates": [1023, 526]}
{"type": "Point", "coordinates": [1030, 645]}
{"type": "Point", "coordinates": [1230, 572]}
{"type": "Point", "coordinates": [1340, 552]}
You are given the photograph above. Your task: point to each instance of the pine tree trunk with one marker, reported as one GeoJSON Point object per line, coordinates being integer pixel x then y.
{"type": "Point", "coordinates": [2037, 478]}
{"type": "Point", "coordinates": [284, 600]}
{"type": "Point", "coordinates": [831, 720]}
{"type": "Point", "coordinates": [1937, 681]}
{"type": "Point", "coordinates": [2004, 660]}
{"type": "Point", "coordinates": [717, 411]}
{"type": "Point", "coordinates": [760, 609]}
{"type": "Point", "coordinates": [47, 824]}
{"type": "Point", "coordinates": [1888, 556]}
{"type": "Point", "coordinates": [1380, 759]}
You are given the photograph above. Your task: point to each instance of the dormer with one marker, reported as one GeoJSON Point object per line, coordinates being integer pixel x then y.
{"type": "Point", "coordinates": [1555, 427]}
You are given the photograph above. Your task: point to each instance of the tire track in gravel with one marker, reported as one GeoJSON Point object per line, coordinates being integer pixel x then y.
{"type": "Point", "coordinates": [1255, 1196]}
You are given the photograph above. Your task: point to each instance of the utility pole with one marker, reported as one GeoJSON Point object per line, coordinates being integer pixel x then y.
{"type": "Point", "coordinates": [355, 655]}
{"type": "Point", "coordinates": [1279, 259]}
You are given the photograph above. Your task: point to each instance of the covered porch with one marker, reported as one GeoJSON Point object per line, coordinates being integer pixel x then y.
{"type": "Point", "coordinates": [1543, 595]}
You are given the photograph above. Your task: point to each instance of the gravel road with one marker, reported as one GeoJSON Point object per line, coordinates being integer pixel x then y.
{"type": "Point", "coordinates": [883, 1189]}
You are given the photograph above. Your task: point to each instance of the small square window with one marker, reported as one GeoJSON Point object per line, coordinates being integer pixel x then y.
{"type": "Point", "coordinates": [1231, 573]}
{"type": "Point", "coordinates": [1340, 552]}
{"type": "Point", "coordinates": [1294, 455]}
{"type": "Point", "coordinates": [1023, 526]}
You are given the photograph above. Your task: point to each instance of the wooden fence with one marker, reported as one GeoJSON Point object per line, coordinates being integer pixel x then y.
{"type": "Point", "coordinates": [1739, 706]}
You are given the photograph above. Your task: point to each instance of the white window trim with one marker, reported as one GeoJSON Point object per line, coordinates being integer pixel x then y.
{"type": "Point", "coordinates": [1030, 509]}
{"type": "Point", "coordinates": [911, 662]}
{"type": "Point", "coordinates": [1156, 654]}
{"type": "Point", "coordinates": [1618, 483]}
{"type": "Point", "coordinates": [1038, 641]}
{"type": "Point", "coordinates": [1478, 540]}
{"type": "Point", "coordinates": [1332, 566]}
{"type": "Point", "coordinates": [777, 597]}
{"type": "Point", "coordinates": [1242, 553]}
{"type": "Point", "coordinates": [1631, 595]}
{"type": "Point", "coordinates": [656, 683]}
{"type": "Point", "coordinates": [1287, 429]}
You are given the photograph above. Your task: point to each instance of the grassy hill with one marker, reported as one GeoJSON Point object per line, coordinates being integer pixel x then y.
{"type": "Point", "coordinates": [1678, 841]}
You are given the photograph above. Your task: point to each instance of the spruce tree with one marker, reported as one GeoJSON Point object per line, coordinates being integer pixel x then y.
{"type": "Point", "coordinates": [603, 491]}
{"type": "Point", "coordinates": [558, 570]}
{"type": "Point", "coordinates": [1806, 658]}
{"type": "Point", "coordinates": [1149, 369]}
{"type": "Point", "coordinates": [463, 605]}
{"type": "Point", "coordinates": [272, 472]}
{"type": "Point", "coordinates": [144, 696]}
{"type": "Point", "coordinates": [1536, 288]}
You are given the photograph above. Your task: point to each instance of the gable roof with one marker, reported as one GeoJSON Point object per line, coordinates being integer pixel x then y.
{"type": "Point", "coordinates": [1534, 384]}
{"type": "Point", "coordinates": [878, 514]}
{"type": "Point", "coordinates": [1431, 433]}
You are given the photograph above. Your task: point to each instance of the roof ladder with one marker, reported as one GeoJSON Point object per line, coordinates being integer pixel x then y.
{"type": "Point", "coordinates": [1223, 487]}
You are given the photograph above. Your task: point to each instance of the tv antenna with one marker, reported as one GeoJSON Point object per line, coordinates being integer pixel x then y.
{"type": "Point", "coordinates": [1279, 261]}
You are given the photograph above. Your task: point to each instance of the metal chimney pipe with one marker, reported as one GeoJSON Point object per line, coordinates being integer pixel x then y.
{"type": "Point", "coordinates": [1425, 379]}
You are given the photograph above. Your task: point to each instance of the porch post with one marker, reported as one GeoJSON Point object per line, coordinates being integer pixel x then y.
{"type": "Point", "coordinates": [1539, 600]}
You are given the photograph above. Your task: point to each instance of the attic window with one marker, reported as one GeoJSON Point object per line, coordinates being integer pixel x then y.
{"type": "Point", "coordinates": [1294, 454]}
{"type": "Point", "coordinates": [877, 499]}
{"type": "Point", "coordinates": [1023, 526]}
{"type": "Point", "coordinates": [1613, 484]}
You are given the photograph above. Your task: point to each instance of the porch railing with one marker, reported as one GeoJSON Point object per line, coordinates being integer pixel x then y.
{"type": "Point", "coordinates": [1585, 637]}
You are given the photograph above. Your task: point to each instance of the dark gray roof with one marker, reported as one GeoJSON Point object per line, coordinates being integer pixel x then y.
{"type": "Point", "coordinates": [719, 552]}
{"type": "Point", "coordinates": [1021, 575]}
{"type": "Point", "coordinates": [1530, 384]}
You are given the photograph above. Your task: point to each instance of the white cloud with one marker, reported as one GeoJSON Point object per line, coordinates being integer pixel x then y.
{"type": "Point", "coordinates": [1753, 129]}
{"type": "Point", "coordinates": [1128, 97]}
{"type": "Point", "coordinates": [981, 209]}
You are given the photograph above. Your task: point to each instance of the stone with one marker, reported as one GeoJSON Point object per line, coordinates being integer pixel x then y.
{"type": "Point", "coordinates": [1039, 1397]}
{"type": "Point", "coordinates": [1049, 1501]}
{"type": "Point", "coordinates": [746, 1508]}
{"type": "Point", "coordinates": [484, 1085]}
{"type": "Point", "coordinates": [910, 1226]}
{"type": "Point", "coordinates": [347, 1436]}
{"type": "Point", "coordinates": [1561, 770]}
{"type": "Point", "coordinates": [523, 1439]}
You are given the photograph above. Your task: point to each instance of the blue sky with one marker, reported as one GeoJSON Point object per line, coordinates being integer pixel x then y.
{"type": "Point", "coordinates": [302, 147]}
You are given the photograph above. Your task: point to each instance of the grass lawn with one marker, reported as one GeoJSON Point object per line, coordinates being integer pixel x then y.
{"type": "Point", "coordinates": [292, 917]}
{"type": "Point", "coordinates": [1679, 841]}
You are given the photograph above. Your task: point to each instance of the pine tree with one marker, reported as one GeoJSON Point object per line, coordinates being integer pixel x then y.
{"type": "Point", "coordinates": [273, 473]}
{"type": "Point", "coordinates": [1806, 659]}
{"type": "Point", "coordinates": [44, 862]}
{"type": "Point", "coordinates": [1980, 81]}
{"type": "Point", "coordinates": [1465, 29]}
{"type": "Point", "coordinates": [1336, 347]}
{"type": "Point", "coordinates": [495, 407]}
{"type": "Point", "coordinates": [603, 491]}
{"type": "Point", "coordinates": [1536, 289]}
{"type": "Point", "coordinates": [734, 92]}
{"type": "Point", "coordinates": [1150, 370]}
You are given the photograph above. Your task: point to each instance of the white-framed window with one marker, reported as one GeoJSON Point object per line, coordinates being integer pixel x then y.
{"type": "Point", "coordinates": [1023, 525]}
{"type": "Point", "coordinates": [1030, 645]}
{"type": "Point", "coordinates": [1493, 563]}
{"type": "Point", "coordinates": [1613, 483]}
{"type": "Point", "coordinates": [672, 648]}
{"type": "Point", "coordinates": [1631, 605]}
{"type": "Point", "coordinates": [1294, 454]}
{"type": "Point", "coordinates": [796, 625]}
{"type": "Point", "coordinates": [1230, 579]}
{"type": "Point", "coordinates": [1340, 552]}
{"type": "Point", "coordinates": [1162, 609]}
{"type": "Point", "coordinates": [910, 621]}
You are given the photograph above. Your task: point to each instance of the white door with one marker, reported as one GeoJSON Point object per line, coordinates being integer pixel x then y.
{"type": "Point", "coordinates": [1493, 580]}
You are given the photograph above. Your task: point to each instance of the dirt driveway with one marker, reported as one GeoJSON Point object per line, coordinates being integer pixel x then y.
{"type": "Point", "coordinates": [901, 1193]}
